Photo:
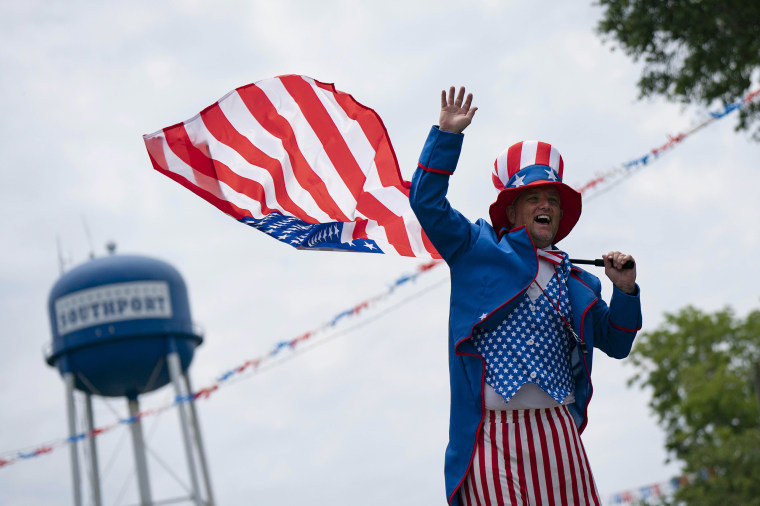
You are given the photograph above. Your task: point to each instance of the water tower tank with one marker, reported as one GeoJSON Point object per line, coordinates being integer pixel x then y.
{"type": "Point", "coordinates": [115, 319]}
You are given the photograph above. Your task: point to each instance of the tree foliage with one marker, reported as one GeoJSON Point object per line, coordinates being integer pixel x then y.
{"type": "Point", "coordinates": [695, 51]}
{"type": "Point", "coordinates": [701, 371]}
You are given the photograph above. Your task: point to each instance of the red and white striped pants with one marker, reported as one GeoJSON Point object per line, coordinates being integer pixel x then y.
{"type": "Point", "coordinates": [529, 457]}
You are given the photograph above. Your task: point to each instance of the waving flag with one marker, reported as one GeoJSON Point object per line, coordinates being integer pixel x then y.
{"type": "Point", "coordinates": [300, 161]}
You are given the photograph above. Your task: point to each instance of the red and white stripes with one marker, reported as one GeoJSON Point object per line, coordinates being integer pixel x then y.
{"type": "Point", "coordinates": [529, 457]}
{"type": "Point", "coordinates": [294, 146]}
{"type": "Point", "coordinates": [524, 154]}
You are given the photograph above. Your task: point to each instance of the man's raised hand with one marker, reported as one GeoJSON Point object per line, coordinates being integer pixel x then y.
{"type": "Point", "coordinates": [456, 112]}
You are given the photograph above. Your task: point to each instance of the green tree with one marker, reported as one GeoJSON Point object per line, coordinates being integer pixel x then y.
{"type": "Point", "coordinates": [694, 51]}
{"type": "Point", "coordinates": [701, 369]}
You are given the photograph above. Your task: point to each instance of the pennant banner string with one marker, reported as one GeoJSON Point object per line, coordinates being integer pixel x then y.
{"type": "Point", "coordinates": [652, 494]}
{"type": "Point", "coordinates": [278, 354]}
{"type": "Point", "coordinates": [611, 178]}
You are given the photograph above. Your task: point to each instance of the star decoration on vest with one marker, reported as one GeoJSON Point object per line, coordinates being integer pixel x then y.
{"type": "Point", "coordinates": [531, 345]}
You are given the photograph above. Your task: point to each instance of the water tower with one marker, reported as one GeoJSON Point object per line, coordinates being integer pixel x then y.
{"type": "Point", "coordinates": [121, 327]}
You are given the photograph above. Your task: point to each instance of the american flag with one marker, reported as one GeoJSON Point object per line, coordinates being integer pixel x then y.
{"type": "Point", "coordinates": [298, 160]}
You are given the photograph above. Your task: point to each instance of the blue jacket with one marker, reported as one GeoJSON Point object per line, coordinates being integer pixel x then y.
{"type": "Point", "coordinates": [489, 273]}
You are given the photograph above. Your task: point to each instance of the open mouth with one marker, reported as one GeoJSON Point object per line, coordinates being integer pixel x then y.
{"type": "Point", "coordinates": [543, 219]}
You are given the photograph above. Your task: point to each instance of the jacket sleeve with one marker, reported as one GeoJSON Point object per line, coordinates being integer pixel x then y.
{"type": "Point", "coordinates": [447, 229]}
{"type": "Point", "coordinates": [616, 326]}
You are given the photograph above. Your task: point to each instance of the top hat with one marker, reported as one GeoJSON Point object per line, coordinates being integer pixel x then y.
{"type": "Point", "coordinates": [526, 165]}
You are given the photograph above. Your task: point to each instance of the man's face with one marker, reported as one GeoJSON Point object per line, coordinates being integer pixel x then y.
{"type": "Point", "coordinates": [539, 210]}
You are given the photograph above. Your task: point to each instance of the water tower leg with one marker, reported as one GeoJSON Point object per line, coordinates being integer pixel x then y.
{"type": "Point", "coordinates": [69, 381]}
{"type": "Point", "coordinates": [175, 372]}
{"type": "Point", "coordinates": [199, 444]}
{"type": "Point", "coordinates": [94, 472]}
{"type": "Point", "coordinates": [141, 462]}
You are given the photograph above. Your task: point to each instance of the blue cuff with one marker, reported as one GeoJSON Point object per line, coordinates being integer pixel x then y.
{"type": "Point", "coordinates": [441, 151]}
{"type": "Point", "coordinates": [626, 314]}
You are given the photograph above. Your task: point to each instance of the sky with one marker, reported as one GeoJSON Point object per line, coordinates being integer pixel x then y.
{"type": "Point", "coordinates": [362, 418]}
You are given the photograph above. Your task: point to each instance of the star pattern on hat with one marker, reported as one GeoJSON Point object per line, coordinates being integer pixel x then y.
{"type": "Point", "coordinates": [531, 345]}
{"type": "Point", "coordinates": [518, 181]}
{"type": "Point", "coordinates": [551, 174]}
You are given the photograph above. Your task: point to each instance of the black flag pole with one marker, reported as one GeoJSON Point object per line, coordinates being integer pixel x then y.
{"type": "Point", "coordinates": [600, 263]}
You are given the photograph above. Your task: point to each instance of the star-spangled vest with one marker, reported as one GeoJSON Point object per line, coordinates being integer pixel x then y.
{"type": "Point", "coordinates": [532, 344]}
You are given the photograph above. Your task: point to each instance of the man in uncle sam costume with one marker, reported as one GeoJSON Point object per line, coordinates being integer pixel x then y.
{"type": "Point", "coordinates": [523, 323]}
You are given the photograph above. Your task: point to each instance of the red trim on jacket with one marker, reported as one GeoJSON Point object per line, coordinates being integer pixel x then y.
{"type": "Point", "coordinates": [623, 328]}
{"type": "Point", "coordinates": [583, 356]}
{"type": "Point", "coordinates": [482, 415]}
{"type": "Point", "coordinates": [437, 171]}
